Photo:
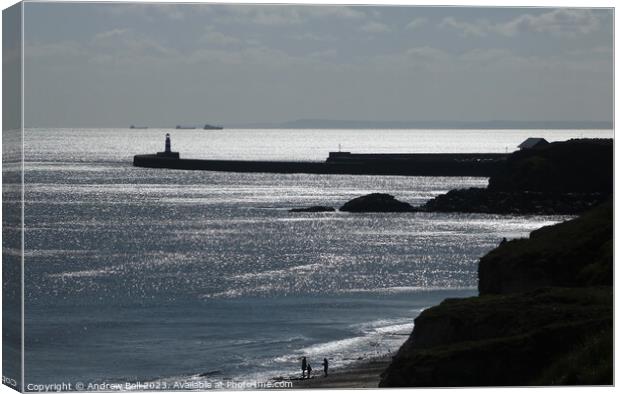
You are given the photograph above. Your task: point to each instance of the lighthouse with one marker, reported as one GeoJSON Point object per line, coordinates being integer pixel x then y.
{"type": "Point", "coordinates": [167, 147]}
{"type": "Point", "coordinates": [168, 153]}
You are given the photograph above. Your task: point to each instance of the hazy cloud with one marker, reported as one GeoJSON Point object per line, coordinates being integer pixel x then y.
{"type": "Point", "coordinates": [375, 27]}
{"type": "Point", "coordinates": [559, 22]}
{"type": "Point", "coordinates": [309, 36]}
{"type": "Point", "coordinates": [416, 23]}
{"type": "Point", "coordinates": [61, 49]}
{"type": "Point", "coordinates": [153, 11]}
{"type": "Point", "coordinates": [427, 53]}
{"type": "Point", "coordinates": [219, 39]}
{"type": "Point", "coordinates": [278, 15]}
{"type": "Point", "coordinates": [328, 53]}
{"type": "Point", "coordinates": [477, 29]}
{"type": "Point", "coordinates": [128, 43]}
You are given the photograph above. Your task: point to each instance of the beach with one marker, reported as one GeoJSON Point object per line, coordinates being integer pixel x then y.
{"type": "Point", "coordinates": [364, 374]}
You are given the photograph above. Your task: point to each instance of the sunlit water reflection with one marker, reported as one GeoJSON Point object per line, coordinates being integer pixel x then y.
{"type": "Point", "coordinates": [158, 274]}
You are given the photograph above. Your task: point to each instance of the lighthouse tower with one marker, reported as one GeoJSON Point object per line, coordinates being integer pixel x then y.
{"type": "Point", "coordinates": [167, 148]}
{"type": "Point", "coordinates": [168, 153]}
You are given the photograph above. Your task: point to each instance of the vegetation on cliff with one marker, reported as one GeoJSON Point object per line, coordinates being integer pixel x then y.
{"type": "Point", "coordinates": [544, 316]}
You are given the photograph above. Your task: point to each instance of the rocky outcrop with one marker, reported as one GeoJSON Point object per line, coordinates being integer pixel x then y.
{"type": "Point", "coordinates": [559, 178]}
{"type": "Point", "coordinates": [544, 316]}
{"type": "Point", "coordinates": [315, 208]}
{"type": "Point", "coordinates": [376, 202]}
{"type": "Point", "coordinates": [479, 200]}
{"type": "Point", "coordinates": [578, 165]}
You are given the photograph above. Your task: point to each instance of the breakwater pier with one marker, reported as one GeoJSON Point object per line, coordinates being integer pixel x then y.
{"type": "Point", "coordinates": [413, 164]}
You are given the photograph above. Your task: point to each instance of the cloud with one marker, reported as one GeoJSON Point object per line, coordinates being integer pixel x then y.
{"type": "Point", "coordinates": [427, 53]}
{"type": "Point", "coordinates": [466, 29]}
{"type": "Point", "coordinates": [595, 51]}
{"type": "Point", "coordinates": [62, 49]}
{"type": "Point", "coordinates": [309, 36]}
{"type": "Point", "coordinates": [326, 54]}
{"type": "Point", "coordinates": [115, 46]}
{"type": "Point", "coordinates": [416, 23]}
{"type": "Point", "coordinates": [561, 22]}
{"type": "Point", "coordinates": [105, 35]}
{"type": "Point", "coordinates": [338, 12]}
{"type": "Point", "coordinates": [278, 15]}
{"type": "Point", "coordinates": [153, 12]}
{"type": "Point", "coordinates": [220, 39]}
{"type": "Point", "coordinates": [126, 42]}
{"type": "Point", "coordinates": [433, 61]}
{"type": "Point", "coordinates": [248, 57]}
{"type": "Point", "coordinates": [375, 27]}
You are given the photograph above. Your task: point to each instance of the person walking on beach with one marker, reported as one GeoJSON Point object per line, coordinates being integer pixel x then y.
{"type": "Point", "coordinates": [325, 366]}
{"type": "Point", "coordinates": [304, 365]}
{"type": "Point", "coordinates": [309, 371]}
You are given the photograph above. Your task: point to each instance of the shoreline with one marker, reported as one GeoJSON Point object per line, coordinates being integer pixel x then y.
{"type": "Point", "coordinates": [363, 374]}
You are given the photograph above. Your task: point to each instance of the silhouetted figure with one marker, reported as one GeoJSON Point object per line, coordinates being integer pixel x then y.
{"type": "Point", "coordinates": [325, 366]}
{"type": "Point", "coordinates": [167, 149]}
{"type": "Point", "coordinates": [504, 240]}
{"type": "Point", "coordinates": [309, 371]}
{"type": "Point", "coordinates": [304, 365]}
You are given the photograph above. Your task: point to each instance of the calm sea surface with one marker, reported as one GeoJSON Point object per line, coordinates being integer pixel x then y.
{"type": "Point", "coordinates": [137, 274]}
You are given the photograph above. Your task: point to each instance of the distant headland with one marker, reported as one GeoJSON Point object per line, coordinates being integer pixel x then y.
{"type": "Point", "coordinates": [428, 124]}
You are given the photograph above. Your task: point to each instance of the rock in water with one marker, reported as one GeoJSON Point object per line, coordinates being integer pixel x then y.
{"type": "Point", "coordinates": [377, 202]}
{"type": "Point", "coordinates": [316, 208]}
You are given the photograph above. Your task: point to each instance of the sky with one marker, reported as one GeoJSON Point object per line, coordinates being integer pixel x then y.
{"type": "Point", "coordinates": [112, 65]}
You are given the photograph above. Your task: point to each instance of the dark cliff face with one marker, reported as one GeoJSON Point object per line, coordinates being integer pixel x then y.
{"type": "Point", "coordinates": [544, 316]}
{"type": "Point", "coordinates": [500, 340]}
{"type": "Point", "coordinates": [576, 253]}
{"type": "Point", "coordinates": [559, 178]}
{"type": "Point", "coordinates": [584, 165]}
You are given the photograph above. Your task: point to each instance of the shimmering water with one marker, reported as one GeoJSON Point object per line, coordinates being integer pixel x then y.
{"type": "Point", "coordinates": [153, 274]}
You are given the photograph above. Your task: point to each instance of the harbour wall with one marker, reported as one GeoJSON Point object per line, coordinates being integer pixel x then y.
{"type": "Point", "coordinates": [423, 164]}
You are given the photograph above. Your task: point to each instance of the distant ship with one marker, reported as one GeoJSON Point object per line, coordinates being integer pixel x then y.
{"type": "Point", "coordinates": [185, 127]}
{"type": "Point", "coordinates": [211, 127]}
{"type": "Point", "coordinates": [138, 127]}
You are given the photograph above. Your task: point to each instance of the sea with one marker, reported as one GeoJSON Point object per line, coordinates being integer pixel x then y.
{"type": "Point", "coordinates": [157, 276]}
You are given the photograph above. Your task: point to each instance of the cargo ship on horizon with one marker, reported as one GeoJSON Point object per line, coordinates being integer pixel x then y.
{"type": "Point", "coordinates": [205, 127]}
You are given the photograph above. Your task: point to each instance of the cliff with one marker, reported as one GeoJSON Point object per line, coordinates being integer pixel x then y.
{"type": "Point", "coordinates": [559, 178]}
{"type": "Point", "coordinates": [544, 316]}
{"type": "Point", "coordinates": [577, 166]}
{"type": "Point", "coordinates": [575, 253]}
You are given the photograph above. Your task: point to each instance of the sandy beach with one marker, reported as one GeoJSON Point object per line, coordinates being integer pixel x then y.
{"type": "Point", "coordinates": [365, 374]}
